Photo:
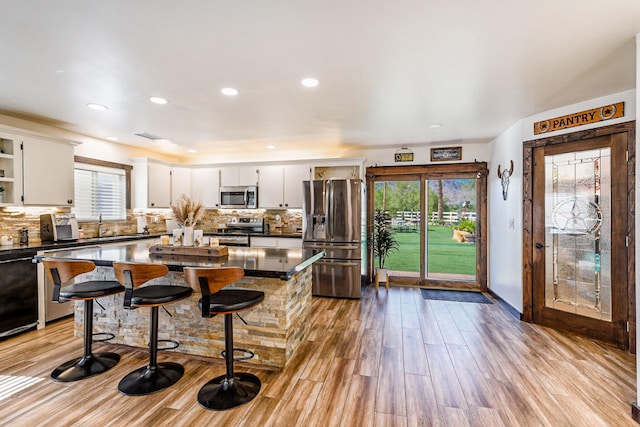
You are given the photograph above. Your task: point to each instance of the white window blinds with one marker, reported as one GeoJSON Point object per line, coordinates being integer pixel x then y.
{"type": "Point", "coordinates": [98, 190]}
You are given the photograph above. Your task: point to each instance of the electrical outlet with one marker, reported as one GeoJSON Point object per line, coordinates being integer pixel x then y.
{"type": "Point", "coordinates": [512, 223]}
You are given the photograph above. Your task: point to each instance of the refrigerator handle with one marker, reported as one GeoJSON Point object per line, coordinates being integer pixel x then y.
{"type": "Point", "coordinates": [332, 211]}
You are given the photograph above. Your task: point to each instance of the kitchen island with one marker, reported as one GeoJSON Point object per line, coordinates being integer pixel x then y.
{"type": "Point", "coordinates": [274, 329]}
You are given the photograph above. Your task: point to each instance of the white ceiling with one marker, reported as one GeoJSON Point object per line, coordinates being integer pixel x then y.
{"type": "Point", "coordinates": [387, 69]}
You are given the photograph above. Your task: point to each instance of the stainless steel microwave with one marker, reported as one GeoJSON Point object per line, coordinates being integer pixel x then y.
{"type": "Point", "coordinates": [239, 197]}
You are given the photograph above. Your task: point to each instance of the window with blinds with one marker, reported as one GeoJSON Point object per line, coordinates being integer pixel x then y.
{"type": "Point", "coordinates": [98, 190]}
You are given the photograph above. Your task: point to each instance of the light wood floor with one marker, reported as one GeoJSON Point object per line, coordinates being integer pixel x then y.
{"type": "Point", "coordinates": [395, 359]}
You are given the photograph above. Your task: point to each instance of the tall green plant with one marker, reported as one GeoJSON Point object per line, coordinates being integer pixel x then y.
{"type": "Point", "coordinates": [383, 240]}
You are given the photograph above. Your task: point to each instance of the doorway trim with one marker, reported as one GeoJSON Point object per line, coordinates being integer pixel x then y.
{"type": "Point", "coordinates": [626, 129]}
{"type": "Point", "coordinates": [478, 170]}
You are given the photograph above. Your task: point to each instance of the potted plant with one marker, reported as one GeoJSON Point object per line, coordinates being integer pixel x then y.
{"type": "Point", "coordinates": [465, 231]}
{"type": "Point", "coordinates": [187, 212]}
{"type": "Point", "coordinates": [383, 243]}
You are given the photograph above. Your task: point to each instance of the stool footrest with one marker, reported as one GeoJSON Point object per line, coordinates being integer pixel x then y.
{"type": "Point", "coordinates": [175, 345]}
{"type": "Point", "coordinates": [248, 354]}
{"type": "Point", "coordinates": [108, 336]}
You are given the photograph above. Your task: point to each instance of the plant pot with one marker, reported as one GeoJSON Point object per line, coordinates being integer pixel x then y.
{"type": "Point", "coordinates": [382, 276]}
{"type": "Point", "coordinates": [187, 238]}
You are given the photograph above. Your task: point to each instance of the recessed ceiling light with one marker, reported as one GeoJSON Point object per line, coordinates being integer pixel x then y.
{"type": "Point", "coordinates": [271, 147]}
{"type": "Point", "coordinates": [229, 91]}
{"type": "Point", "coordinates": [97, 107]}
{"type": "Point", "coordinates": [112, 138]}
{"type": "Point", "coordinates": [435, 125]}
{"type": "Point", "coordinates": [310, 82]}
{"type": "Point", "coordinates": [191, 150]}
{"type": "Point", "coordinates": [158, 100]}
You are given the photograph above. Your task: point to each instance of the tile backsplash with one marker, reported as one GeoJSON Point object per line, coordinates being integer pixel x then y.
{"type": "Point", "coordinates": [12, 221]}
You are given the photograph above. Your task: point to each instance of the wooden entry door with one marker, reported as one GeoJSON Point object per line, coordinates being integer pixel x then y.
{"type": "Point", "coordinates": [579, 237]}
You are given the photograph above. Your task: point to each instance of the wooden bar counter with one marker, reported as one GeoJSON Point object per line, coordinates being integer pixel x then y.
{"type": "Point", "coordinates": [274, 328]}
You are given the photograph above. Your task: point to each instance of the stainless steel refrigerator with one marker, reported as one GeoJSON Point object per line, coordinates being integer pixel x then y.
{"type": "Point", "coordinates": [333, 220]}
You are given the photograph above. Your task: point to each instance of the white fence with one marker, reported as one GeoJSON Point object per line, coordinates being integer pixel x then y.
{"type": "Point", "coordinates": [412, 218]}
{"type": "Point", "coordinates": [452, 217]}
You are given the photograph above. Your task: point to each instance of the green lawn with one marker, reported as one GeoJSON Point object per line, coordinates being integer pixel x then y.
{"type": "Point", "coordinates": [445, 254]}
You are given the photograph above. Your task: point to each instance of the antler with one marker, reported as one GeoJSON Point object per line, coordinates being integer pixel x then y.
{"type": "Point", "coordinates": [510, 170]}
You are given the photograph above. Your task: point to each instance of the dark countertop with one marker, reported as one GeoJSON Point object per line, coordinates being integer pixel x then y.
{"type": "Point", "coordinates": [18, 250]}
{"type": "Point", "coordinates": [257, 262]}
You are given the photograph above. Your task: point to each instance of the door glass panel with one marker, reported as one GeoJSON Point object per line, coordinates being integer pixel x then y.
{"type": "Point", "coordinates": [578, 232]}
{"type": "Point", "coordinates": [450, 238]}
{"type": "Point", "coordinates": [400, 200]}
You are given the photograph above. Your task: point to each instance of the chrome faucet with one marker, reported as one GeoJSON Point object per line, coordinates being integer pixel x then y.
{"type": "Point", "coordinates": [100, 224]}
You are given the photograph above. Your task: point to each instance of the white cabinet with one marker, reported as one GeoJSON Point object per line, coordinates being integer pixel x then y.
{"type": "Point", "coordinates": [271, 187]}
{"type": "Point", "coordinates": [276, 242]}
{"type": "Point", "coordinates": [293, 177]}
{"type": "Point", "coordinates": [10, 170]}
{"type": "Point", "coordinates": [180, 182]}
{"type": "Point", "coordinates": [205, 186]}
{"type": "Point", "coordinates": [280, 187]}
{"type": "Point", "coordinates": [238, 175]}
{"type": "Point", "coordinates": [48, 176]}
{"type": "Point", "coordinates": [152, 184]}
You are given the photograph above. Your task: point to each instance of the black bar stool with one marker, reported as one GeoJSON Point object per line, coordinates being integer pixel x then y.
{"type": "Point", "coordinates": [232, 389]}
{"type": "Point", "coordinates": [62, 271]}
{"type": "Point", "coordinates": [155, 376]}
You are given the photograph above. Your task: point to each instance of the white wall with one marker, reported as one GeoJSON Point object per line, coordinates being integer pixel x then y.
{"type": "Point", "coordinates": [505, 245]}
{"type": "Point", "coordinates": [505, 218]}
{"type": "Point", "coordinates": [422, 154]}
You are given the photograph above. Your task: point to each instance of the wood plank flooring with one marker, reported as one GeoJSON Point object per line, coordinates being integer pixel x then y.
{"type": "Point", "coordinates": [389, 360]}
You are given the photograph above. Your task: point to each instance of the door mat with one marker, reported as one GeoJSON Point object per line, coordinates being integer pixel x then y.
{"type": "Point", "coordinates": [459, 296]}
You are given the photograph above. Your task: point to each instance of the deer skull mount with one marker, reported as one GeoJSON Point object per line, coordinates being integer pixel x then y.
{"type": "Point", "coordinates": [504, 178]}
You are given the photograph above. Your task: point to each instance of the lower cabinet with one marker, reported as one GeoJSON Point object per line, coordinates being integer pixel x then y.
{"type": "Point", "coordinates": [276, 242]}
{"type": "Point", "coordinates": [18, 294]}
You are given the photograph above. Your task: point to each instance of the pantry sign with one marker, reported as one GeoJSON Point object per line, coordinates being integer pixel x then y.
{"type": "Point", "coordinates": [606, 112]}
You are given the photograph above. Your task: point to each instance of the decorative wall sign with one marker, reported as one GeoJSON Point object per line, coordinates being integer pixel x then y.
{"type": "Point", "coordinates": [446, 154]}
{"type": "Point", "coordinates": [606, 112]}
{"type": "Point", "coordinates": [403, 155]}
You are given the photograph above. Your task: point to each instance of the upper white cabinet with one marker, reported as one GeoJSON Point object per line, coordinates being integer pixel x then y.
{"type": "Point", "coordinates": [205, 186]}
{"type": "Point", "coordinates": [271, 187]}
{"type": "Point", "coordinates": [238, 175]}
{"type": "Point", "coordinates": [280, 187]}
{"type": "Point", "coordinates": [180, 182]}
{"type": "Point", "coordinates": [48, 176]}
{"type": "Point", "coordinates": [10, 170]}
{"type": "Point", "coordinates": [293, 177]}
{"type": "Point", "coordinates": [152, 184]}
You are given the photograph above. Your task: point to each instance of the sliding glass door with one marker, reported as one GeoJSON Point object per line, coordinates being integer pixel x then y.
{"type": "Point", "coordinates": [435, 221]}
{"type": "Point", "coordinates": [450, 237]}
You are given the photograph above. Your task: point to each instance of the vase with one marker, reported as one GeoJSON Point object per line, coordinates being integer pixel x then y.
{"type": "Point", "coordinates": [187, 238]}
{"type": "Point", "coordinates": [177, 236]}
